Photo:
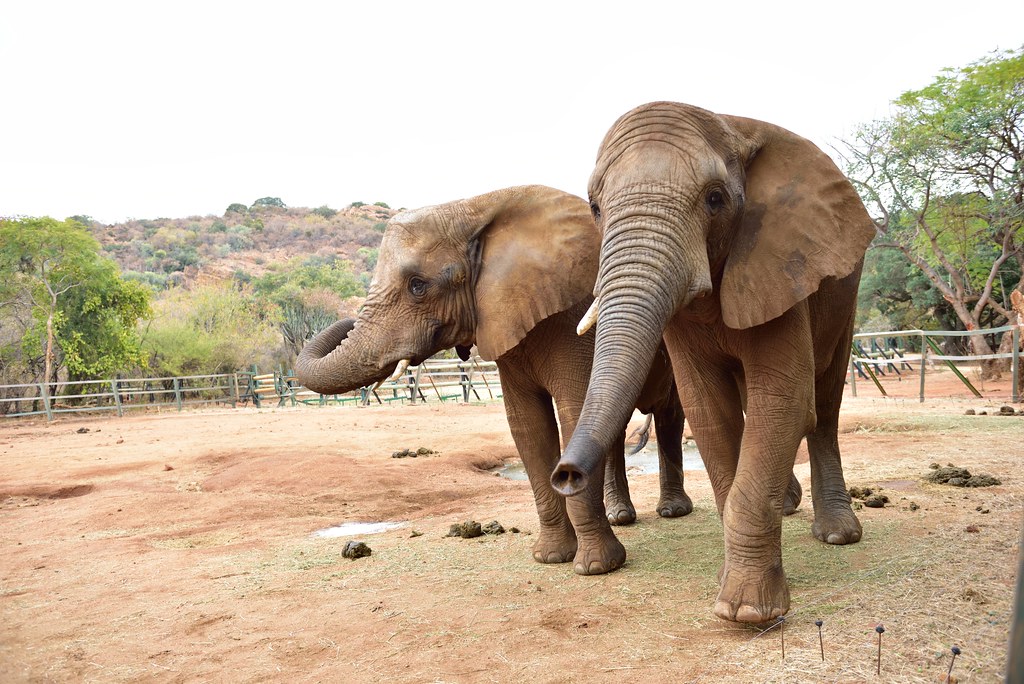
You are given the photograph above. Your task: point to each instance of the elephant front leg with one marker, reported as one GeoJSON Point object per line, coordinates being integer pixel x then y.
{"type": "Point", "coordinates": [619, 507]}
{"type": "Point", "coordinates": [531, 420]}
{"type": "Point", "coordinates": [753, 583]}
{"type": "Point", "coordinates": [599, 550]}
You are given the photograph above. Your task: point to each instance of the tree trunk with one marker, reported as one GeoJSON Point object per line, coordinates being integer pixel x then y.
{"type": "Point", "coordinates": [48, 358]}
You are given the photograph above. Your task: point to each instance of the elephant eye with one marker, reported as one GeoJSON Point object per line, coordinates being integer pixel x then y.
{"type": "Point", "coordinates": [417, 286]}
{"type": "Point", "coordinates": [715, 201]}
{"type": "Point", "coordinates": [595, 210]}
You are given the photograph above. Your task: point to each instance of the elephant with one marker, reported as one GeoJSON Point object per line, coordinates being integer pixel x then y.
{"type": "Point", "coordinates": [739, 245]}
{"type": "Point", "coordinates": [511, 271]}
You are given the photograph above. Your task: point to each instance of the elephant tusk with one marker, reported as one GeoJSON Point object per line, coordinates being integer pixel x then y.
{"type": "Point", "coordinates": [399, 369]}
{"type": "Point", "coordinates": [589, 318]}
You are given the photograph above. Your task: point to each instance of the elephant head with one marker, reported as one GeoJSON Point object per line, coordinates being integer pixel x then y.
{"type": "Point", "coordinates": [475, 271]}
{"type": "Point", "coordinates": [710, 216]}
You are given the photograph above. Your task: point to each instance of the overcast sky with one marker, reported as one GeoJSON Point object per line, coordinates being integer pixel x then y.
{"type": "Point", "coordinates": [145, 109]}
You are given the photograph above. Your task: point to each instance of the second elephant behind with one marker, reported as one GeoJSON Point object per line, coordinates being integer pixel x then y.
{"type": "Point", "coordinates": [511, 271]}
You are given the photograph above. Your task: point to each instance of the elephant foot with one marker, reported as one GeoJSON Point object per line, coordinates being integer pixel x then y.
{"type": "Point", "coordinates": [793, 496]}
{"type": "Point", "coordinates": [837, 525]}
{"type": "Point", "coordinates": [554, 548]}
{"type": "Point", "coordinates": [599, 558]}
{"type": "Point", "coordinates": [620, 514]}
{"type": "Point", "coordinates": [752, 597]}
{"type": "Point", "coordinates": [675, 506]}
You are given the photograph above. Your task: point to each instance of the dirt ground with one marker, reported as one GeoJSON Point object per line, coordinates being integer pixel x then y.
{"type": "Point", "coordinates": [180, 547]}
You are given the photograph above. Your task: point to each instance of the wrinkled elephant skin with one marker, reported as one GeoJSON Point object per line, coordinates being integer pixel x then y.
{"type": "Point", "coordinates": [511, 271]}
{"type": "Point", "coordinates": [740, 245]}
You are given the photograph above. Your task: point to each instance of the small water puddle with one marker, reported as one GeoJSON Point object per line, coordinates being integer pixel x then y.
{"type": "Point", "coordinates": [643, 463]}
{"type": "Point", "coordinates": [350, 529]}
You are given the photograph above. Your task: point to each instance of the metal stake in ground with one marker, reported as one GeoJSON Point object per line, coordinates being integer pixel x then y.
{"type": "Point", "coordinates": [880, 629]}
{"type": "Point", "coordinates": [956, 652]}
{"type": "Point", "coordinates": [782, 633]}
{"type": "Point", "coordinates": [821, 642]}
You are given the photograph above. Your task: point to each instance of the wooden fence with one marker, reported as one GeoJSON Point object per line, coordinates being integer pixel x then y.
{"type": "Point", "coordinates": [874, 355]}
{"type": "Point", "coordinates": [435, 380]}
{"type": "Point", "coordinates": [885, 353]}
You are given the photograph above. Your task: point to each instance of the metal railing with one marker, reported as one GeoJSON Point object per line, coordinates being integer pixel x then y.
{"type": "Point", "coordinates": [121, 394]}
{"type": "Point", "coordinates": [435, 379]}
{"type": "Point", "coordinates": [875, 354]}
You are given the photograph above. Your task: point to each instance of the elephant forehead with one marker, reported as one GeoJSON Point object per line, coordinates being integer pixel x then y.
{"type": "Point", "coordinates": [666, 164]}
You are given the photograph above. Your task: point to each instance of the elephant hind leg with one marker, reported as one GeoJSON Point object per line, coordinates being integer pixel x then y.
{"type": "Point", "coordinates": [794, 494]}
{"type": "Point", "coordinates": [834, 520]}
{"type": "Point", "coordinates": [673, 501]}
{"type": "Point", "coordinates": [531, 419]}
{"type": "Point", "coordinates": [618, 507]}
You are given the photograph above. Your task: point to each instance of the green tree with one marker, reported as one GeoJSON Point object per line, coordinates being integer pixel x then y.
{"type": "Point", "coordinates": [73, 306]}
{"type": "Point", "coordinates": [309, 296]}
{"type": "Point", "coordinates": [944, 176]}
{"type": "Point", "coordinates": [236, 208]}
{"type": "Point", "coordinates": [269, 202]}
{"type": "Point", "coordinates": [213, 328]}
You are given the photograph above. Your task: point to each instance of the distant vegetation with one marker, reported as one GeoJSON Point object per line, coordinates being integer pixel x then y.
{"type": "Point", "coordinates": [942, 176]}
{"type": "Point", "coordinates": [201, 294]}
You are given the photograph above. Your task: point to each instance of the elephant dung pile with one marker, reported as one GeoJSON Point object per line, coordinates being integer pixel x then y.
{"type": "Point", "coordinates": [958, 477]}
{"type": "Point", "coordinates": [1003, 411]}
{"type": "Point", "coordinates": [356, 549]}
{"type": "Point", "coordinates": [471, 529]}
{"type": "Point", "coordinates": [869, 497]}
{"type": "Point", "coordinates": [413, 453]}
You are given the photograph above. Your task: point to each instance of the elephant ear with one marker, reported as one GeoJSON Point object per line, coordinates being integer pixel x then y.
{"type": "Point", "coordinates": [802, 222]}
{"type": "Point", "coordinates": [538, 256]}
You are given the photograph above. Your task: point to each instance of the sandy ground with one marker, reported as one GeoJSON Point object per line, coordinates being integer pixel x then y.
{"type": "Point", "coordinates": [180, 547]}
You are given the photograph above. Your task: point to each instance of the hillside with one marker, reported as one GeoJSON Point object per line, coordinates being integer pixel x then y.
{"type": "Point", "coordinates": [244, 242]}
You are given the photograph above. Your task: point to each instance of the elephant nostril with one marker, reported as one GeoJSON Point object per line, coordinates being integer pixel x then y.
{"type": "Point", "coordinates": [568, 481]}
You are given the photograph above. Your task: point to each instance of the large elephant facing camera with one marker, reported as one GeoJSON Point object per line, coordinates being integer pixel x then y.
{"type": "Point", "coordinates": [740, 244]}
{"type": "Point", "coordinates": [511, 271]}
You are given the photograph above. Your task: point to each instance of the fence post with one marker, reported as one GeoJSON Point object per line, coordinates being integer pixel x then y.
{"type": "Point", "coordinates": [117, 397]}
{"type": "Point", "coordinates": [234, 390]}
{"type": "Point", "coordinates": [924, 362]}
{"type": "Point", "coordinates": [1015, 364]}
{"type": "Point", "coordinates": [464, 381]}
{"type": "Point", "coordinates": [44, 392]}
{"type": "Point", "coordinates": [853, 375]}
{"type": "Point", "coordinates": [177, 392]}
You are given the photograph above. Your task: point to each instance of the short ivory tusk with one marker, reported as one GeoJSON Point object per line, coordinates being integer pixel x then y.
{"type": "Point", "coordinates": [589, 318]}
{"type": "Point", "coordinates": [399, 369]}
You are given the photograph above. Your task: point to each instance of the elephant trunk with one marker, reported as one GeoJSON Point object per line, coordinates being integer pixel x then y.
{"type": "Point", "coordinates": [640, 287]}
{"type": "Point", "coordinates": [334, 362]}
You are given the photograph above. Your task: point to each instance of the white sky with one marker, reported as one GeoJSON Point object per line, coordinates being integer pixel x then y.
{"type": "Point", "coordinates": [146, 109]}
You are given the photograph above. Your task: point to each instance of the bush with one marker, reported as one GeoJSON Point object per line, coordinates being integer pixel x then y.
{"type": "Point", "coordinates": [269, 202]}
{"type": "Point", "coordinates": [325, 211]}
{"type": "Point", "coordinates": [236, 208]}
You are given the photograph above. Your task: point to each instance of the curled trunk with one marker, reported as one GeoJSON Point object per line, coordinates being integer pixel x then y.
{"type": "Point", "coordinates": [334, 362]}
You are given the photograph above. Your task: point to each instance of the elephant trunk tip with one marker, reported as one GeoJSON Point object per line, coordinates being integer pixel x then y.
{"type": "Point", "coordinates": [582, 458]}
{"type": "Point", "coordinates": [568, 480]}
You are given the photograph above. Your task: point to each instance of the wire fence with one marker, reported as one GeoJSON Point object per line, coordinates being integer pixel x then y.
{"type": "Point", "coordinates": [905, 353]}
{"type": "Point", "coordinates": [434, 380]}
{"type": "Point", "coordinates": [876, 358]}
